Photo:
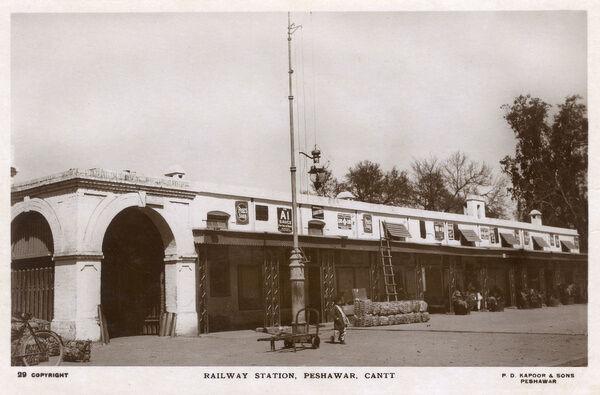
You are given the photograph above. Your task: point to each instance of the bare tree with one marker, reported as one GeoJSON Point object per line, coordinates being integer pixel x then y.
{"type": "Point", "coordinates": [464, 176]}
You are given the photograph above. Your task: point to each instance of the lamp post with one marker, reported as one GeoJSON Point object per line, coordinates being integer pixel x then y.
{"type": "Point", "coordinates": [296, 260]}
{"type": "Point", "coordinates": [316, 174]}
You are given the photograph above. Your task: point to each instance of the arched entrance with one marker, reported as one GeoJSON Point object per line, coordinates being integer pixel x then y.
{"type": "Point", "coordinates": [132, 287]}
{"type": "Point", "coordinates": [32, 268]}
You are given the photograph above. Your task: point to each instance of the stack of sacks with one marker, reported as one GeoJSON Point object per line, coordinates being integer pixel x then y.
{"type": "Point", "coordinates": [368, 313]}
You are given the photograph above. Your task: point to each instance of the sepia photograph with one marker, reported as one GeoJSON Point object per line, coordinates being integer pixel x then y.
{"type": "Point", "coordinates": [297, 189]}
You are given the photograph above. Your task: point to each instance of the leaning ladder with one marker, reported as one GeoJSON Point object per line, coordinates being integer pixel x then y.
{"type": "Point", "coordinates": [385, 252]}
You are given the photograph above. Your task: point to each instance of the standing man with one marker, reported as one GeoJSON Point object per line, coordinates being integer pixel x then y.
{"type": "Point", "coordinates": [340, 323]}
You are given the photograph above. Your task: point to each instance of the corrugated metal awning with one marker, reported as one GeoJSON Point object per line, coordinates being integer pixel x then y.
{"type": "Point", "coordinates": [509, 238]}
{"type": "Point", "coordinates": [568, 244]}
{"type": "Point", "coordinates": [396, 231]}
{"type": "Point", "coordinates": [540, 241]}
{"type": "Point", "coordinates": [470, 235]}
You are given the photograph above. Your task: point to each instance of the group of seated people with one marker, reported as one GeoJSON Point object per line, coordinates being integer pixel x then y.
{"type": "Point", "coordinates": [463, 302]}
{"type": "Point", "coordinates": [531, 299]}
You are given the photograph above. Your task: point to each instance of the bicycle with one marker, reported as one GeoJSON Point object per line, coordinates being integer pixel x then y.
{"type": "Point", "coordinates": [40, 347]}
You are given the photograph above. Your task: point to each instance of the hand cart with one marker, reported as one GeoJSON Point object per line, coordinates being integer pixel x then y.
{"type": "Point", "coordinates": [301, 333]}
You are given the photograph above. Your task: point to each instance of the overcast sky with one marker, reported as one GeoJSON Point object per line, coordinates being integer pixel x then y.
{"type": "Point", "coordinates": [209, 91]}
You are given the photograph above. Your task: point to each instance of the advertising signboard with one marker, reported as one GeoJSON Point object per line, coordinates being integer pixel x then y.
{"type": "Point", "coordinates": [344, 221]}
{"type": "Point", "coordinates": [241, 212]}
{"type": "Point", "coordinates": [284, 219]}
{"type": "Point", "coordinates": [368, 223]}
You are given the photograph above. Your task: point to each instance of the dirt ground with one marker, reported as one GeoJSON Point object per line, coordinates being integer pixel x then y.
{"type": "Point", "coordinates": [552, 336]}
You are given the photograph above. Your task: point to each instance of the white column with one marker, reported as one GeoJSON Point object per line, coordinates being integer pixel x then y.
{"type": "Point", "coordinates": [180, 291]}
{"type": "Point", "coordinates": [77, 296]}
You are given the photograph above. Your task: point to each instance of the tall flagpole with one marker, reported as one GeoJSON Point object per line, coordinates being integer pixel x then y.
{"type": "Point", "coordinates": [296, 261]}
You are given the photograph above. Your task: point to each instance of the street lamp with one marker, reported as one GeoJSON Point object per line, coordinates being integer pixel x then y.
{"type": "Point", "coordinates": [296, 259]}
{"type": "Point", "coordinates": [316, 172]}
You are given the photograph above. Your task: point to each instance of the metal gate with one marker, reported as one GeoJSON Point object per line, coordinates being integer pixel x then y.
{"type": "Point", "coordinates": [32, 287]}
{"type": "Point", "coordinates": [202, 284]}
{"type": "Point", "coordinates": [374, 276]}
{"type": "Point", "coordinates": [327, 285]}
{"type": "Point", "coordinates": [271, 289]}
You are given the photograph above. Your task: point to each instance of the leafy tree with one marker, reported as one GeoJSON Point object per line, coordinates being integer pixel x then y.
{"type": "Point", "coordinates": [369, 183]}
{"type": "Point", "coordinates": [549, 169]}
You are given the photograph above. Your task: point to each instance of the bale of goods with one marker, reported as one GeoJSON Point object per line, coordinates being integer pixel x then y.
{"type": "Point", "coordinates": [404, 306]}
{"type": "Point", "coordinates": [368, 313]}
{"type": "Point", "coordinates": [376, 309]}
{"type": "Point", "coordinates": [77, 351]}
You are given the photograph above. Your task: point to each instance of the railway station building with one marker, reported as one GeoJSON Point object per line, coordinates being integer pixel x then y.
{"type": "Point", "coordinates": [218, 256]}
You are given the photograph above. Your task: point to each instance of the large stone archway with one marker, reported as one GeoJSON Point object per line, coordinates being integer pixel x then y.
{"type": "Point", "coordinates": [32, 265]}
{"type": "Point", "coordinates": [79, 274]}
{"type": "Point", "coordinates": [45, 209]}
{"type": "Point", "coordinates": [132, 272]}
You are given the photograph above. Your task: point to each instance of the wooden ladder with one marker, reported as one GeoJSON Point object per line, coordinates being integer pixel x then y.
{"type": "Point", "coordinates": [385, 252]}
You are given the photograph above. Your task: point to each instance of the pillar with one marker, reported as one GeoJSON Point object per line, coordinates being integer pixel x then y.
{"type": "Point", "coordinates": [421, 280]}
{"type": "Point", "coordinates": [512, 284]}
{"type": "Point", "coordinates": [483, 275]}
{"type": "Point", "coordinates": [180, 293]}
{"type": "Point", "coordinates": [77, 296]}
{"type": "Point", "coordinates": [451, 282]}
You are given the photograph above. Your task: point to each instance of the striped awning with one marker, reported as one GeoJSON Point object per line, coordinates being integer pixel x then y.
{"type": "Point", "coordinates": [509, 238]}
{"type": "Point", "coordinates": [396, 231]}
{"type": "Point", "coordinates": [470, 235]}
{"type": "Point", "coordinates": [540, 241]}
{"type": "Point", "coordinates": [568, 244]}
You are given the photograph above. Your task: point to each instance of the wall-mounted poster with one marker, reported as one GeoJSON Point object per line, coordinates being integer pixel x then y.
{"type": "Point", "coordinates": [368, 223]}
{"type": "Point", "coordinates": [318, 212]}
{"type": "Point", "coordinates": [284, 219]}
{"type": "Point", "coordinates": [344, 221]}
{"type": "Point", "coordinates": [485, 233]}
{"type": "Point", "coordinates": [241, 212]}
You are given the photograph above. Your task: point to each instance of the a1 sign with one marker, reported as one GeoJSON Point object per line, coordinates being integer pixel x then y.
{"type": "Point", "coordinates": [284, 219]}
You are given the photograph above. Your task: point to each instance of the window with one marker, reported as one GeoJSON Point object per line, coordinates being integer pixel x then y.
{"type": "Point", "coordinates": [249, 287]}
{"type": "Point", "coordinates": [423, 229]}
{"type": "Point", "coordinates": [456, 231]}
{"type": "Point", "coordinates": [484, 233]}
{"type": "Point", "coordinates": [217, 220]}
{"type": "Point", "coordinates": [262, 213]}
{"type": "Point", "coordinates": [576, 240]}
{"type": "Point", "coordinates": [552, 240]}
{"type": "Point", "coordinates": [451, 235]}
{"type": "Point", "coordinates": [438, 228]}
{"type": "Point", "coordinates": [218, 271]}
{"type": "Point", "coordinates": [315, 228]}
{"type": "Point", "coordinates": [556, 241]}
{"type": "Point", "coordinates": [518, 236]}
{"type": "Point", "coordinates": [526, 237]}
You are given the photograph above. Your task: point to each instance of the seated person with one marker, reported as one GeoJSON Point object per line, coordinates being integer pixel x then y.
{"type": "Point", "coordinates": [459, 305]}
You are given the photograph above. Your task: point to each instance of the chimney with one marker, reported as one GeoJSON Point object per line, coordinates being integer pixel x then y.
{"type": "Point", "coordinates": [475, 206]}
{"type": "Point", "coordinates": [536, 217]}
